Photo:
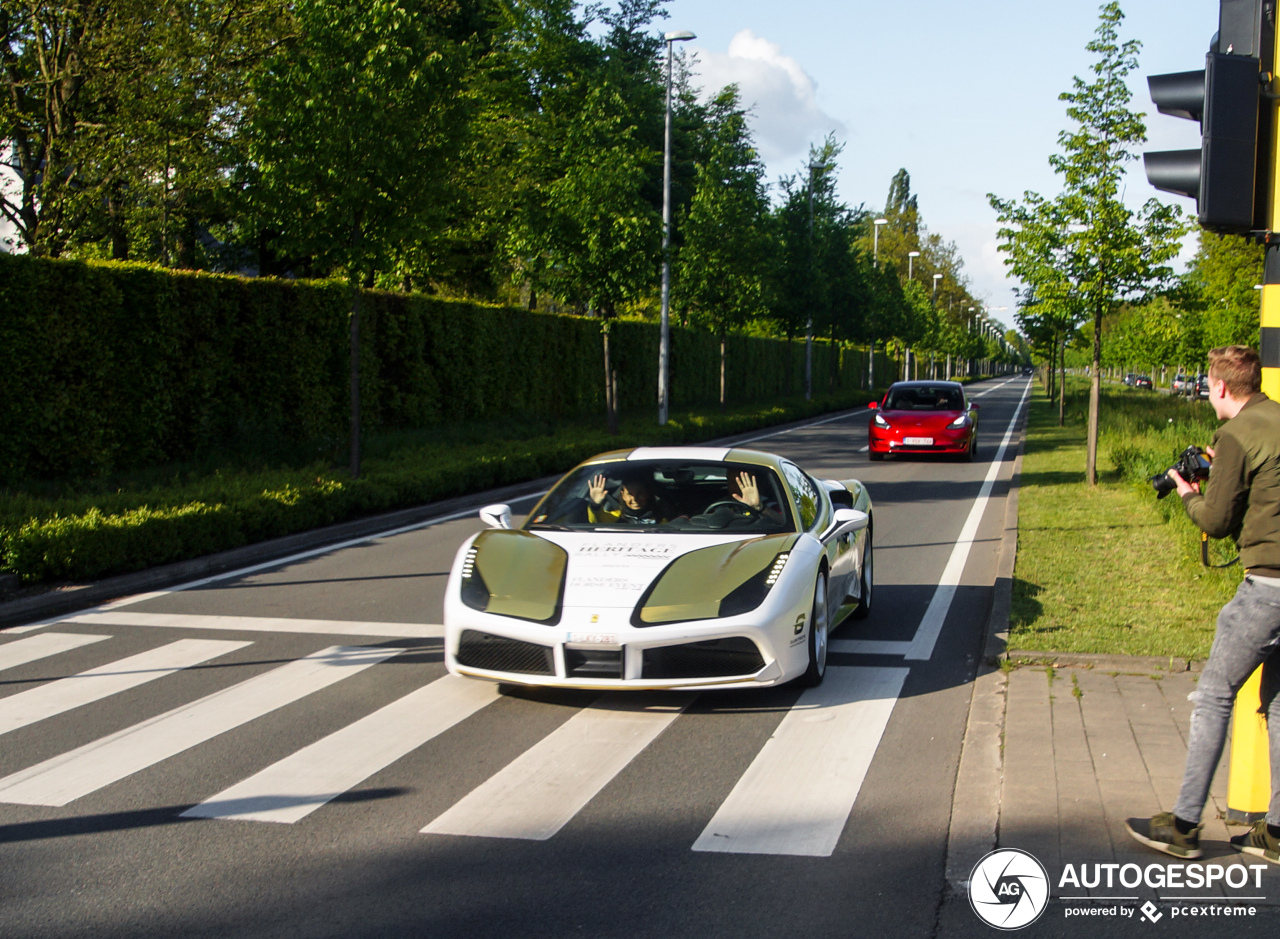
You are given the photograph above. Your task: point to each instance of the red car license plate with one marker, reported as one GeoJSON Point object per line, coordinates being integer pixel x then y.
{"type": "Point", "coordinates": [918, 441]}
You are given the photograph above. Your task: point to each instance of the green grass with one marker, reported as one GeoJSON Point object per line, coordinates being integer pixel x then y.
{"type": "Point", "coordinates": [1110, 569]}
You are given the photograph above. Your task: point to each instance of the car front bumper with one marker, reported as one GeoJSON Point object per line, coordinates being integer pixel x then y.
{"type": "Point", "coordinates": [893, 440]}
{"type": "Point", "coordinates": [765, 647]}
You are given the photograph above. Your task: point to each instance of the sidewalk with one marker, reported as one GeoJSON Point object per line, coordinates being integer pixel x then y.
{"type": "Point", "coordinates": [1059, 750]}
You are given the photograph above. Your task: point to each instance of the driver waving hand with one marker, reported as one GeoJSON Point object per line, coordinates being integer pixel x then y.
{"type": "Point", "coordinates": [744, 489]}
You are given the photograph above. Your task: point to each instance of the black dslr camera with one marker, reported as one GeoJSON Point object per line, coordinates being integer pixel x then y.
{"type": "Point", "coordinates": [1192, 465]}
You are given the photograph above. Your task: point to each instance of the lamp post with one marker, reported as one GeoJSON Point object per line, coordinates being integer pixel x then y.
{"type": "Point", "coordinates": [911, 256]}
{"type": "Point", "coordinates": [808, 328]}
{"type": "Point", "coordinates": [936, 278]}
{"type": "Point", "coordinates": [875, 260]}
{"type": "Point", "coordinates": [972, 310]}
{"type": "Point", "coordinates": [875, 241]}
{"type": "Point", "coordinates": [664, 340]}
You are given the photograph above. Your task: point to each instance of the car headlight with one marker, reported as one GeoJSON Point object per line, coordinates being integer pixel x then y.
{"type": "Point", "coordinates": [961, 421]}
{"type": "Point", "coordinates": [881, 422]}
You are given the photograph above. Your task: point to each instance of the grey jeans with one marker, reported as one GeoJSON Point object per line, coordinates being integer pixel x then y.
{"type": "Point", "coordinates": [1248, 635]}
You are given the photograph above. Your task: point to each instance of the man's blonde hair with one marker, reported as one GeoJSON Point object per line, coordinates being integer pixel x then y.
{"type": "Point", "coordinates": [1239, 367]}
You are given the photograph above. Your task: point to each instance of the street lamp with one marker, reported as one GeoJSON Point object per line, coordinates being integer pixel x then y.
{"type": "Point", "coordinates": [664, 341]}
{"type": "Point", "coordinates": [911, 256]}
{"type": "Point", "coordinates": [936, 278]}
{"type": "Point", "coordinates": [808, 329]}
{"type": "Point", "coordinates": [875, 259]}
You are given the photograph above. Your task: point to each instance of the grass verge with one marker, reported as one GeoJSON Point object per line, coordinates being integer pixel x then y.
{"type": "Point", "coordinates": [1110, 569]}
{"type": "Point", "coordinates": [96, 528]}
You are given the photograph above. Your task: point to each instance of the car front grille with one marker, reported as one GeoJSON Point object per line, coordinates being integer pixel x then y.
{"type": "Point", "coordinates": [499, 654]}
{"type": "Point", "coordinates": [713, 658]}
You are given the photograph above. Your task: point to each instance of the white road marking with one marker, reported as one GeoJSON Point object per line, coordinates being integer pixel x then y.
{"type": "Point", "coordinates": [920, 648]}
{"type": "Point", "coordinates": [302, 782]}
{"type": "Point", "coordinates": [796, 796]}
{"type": "Point", "coordinates": [542, 789]}
{"type": "Point", "coordinates": [62, 695]}
{"type": "Point", "coordinates": [266, 624]}
{"type": "Point", "coordinates": [63, 778]}
{"type": "Point", "coordinates": [13, 654]}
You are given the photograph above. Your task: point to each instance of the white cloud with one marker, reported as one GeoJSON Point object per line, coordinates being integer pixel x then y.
{"type": "Point", "coordinates": [785, 113]}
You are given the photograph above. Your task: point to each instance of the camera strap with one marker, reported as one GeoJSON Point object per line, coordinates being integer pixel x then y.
{"type": "Point", "coordinates": [1204, 554]}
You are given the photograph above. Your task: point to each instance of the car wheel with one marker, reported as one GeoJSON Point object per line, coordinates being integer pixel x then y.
{"type": "Point", "coordinates": [973, 446]}
{"type": "Point", "coordinates": [874, 457]}
{"type": "Point", "coordinates": [817, 669]}
{"type": "Point", "coordinates": [863, 609]}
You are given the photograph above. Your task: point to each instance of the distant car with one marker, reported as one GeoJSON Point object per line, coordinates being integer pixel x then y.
{"type": "Point", "coordinates": [1202, 387]}
{"type": "Point", "coordinates": [1143, 381]}
{"type": "Point", "coordinates": [1179, 385]}
{"type": "Point", "coordinates": [662, 568]}
{"type": "Point", "coordinates": [923, 417]}
{"type": "Point", "coordinates": [1129, 379]}
{"type": "Point", "coordinates": [1027, 371]}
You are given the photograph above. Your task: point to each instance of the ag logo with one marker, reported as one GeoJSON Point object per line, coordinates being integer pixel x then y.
{"type": "Point", "coordinates": [1009, 889]}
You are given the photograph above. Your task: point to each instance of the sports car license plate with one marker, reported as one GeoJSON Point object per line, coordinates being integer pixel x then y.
{"type": "Point", "coordinates": [918, 441]}
{"type": "Point", "coordinates": [594, 639]}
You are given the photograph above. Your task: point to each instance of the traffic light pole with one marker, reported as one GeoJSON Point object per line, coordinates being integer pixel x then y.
{"type": "Point", "coordinates": [1249, 782]}
{"type": "Point", "coordinates": [1234, 178]}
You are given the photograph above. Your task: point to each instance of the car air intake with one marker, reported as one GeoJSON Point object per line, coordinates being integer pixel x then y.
{"type": "Point", "coordinates": [593, 663]}
{"type": "Point", "coordinates": [713, 658]}
{"type": "Point", "coordinates": [499, 654]}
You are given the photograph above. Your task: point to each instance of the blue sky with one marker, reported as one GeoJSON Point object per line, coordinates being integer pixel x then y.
{"type": "Point", "coordinates": [962, 94]}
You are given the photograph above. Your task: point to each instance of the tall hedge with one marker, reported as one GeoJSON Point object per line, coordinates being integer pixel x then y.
{"type": "Point", "coordinates": [107, 366]}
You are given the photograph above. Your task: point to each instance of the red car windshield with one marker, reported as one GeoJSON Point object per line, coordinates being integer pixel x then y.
{"type": "Point", "coordinates": [925, 398]}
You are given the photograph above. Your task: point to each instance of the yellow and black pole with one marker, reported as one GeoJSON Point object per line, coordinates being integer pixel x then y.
{"type": "Point", "coordinates": [1234, 178]}
{"type": "Point", "coordinates": [1249, 782]}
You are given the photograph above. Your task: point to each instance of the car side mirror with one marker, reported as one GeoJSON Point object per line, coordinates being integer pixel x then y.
{"type": "Point", "coordinates": [496, 516]}
{"type": "Point", "coordinates": [871, 405]}
{"type": "Point", "coordinates": [854, 518]}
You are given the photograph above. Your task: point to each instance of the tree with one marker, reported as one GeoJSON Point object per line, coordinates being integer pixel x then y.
{"type": "Point", "coordinates": [1106, 251]}
{"type": "Point", "coordinates": [122, 119]}
{"type": "Point", "coordinates": [355, 131]}
{"type": "Point", "coordinates": [1221, 279]}
{"type": "Point", "coordinates": [719, 268]}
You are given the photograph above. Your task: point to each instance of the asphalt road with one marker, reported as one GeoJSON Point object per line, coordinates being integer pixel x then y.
{"type": "Point", "coordinates": [232, 769]}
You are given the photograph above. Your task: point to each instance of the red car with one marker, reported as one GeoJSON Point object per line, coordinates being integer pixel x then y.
{"type": "Point", "coordinates": [923, 417]}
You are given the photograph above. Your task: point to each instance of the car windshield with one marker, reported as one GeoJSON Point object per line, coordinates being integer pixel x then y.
{"type": "Point", "coordinates": [666, 496]}
{"type": "Point", "coordinates": [925, 398]}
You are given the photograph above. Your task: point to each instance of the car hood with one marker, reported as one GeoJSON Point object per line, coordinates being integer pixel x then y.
{"type": "Point", "coordinates": [613, 569]}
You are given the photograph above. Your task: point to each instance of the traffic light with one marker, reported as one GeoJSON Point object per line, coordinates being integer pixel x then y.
{"type": "Point", "coordinates": [1226, 98]}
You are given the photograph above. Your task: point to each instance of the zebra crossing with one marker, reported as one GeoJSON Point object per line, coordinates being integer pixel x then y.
{"type": "Point", "coordinates": [794, 798]}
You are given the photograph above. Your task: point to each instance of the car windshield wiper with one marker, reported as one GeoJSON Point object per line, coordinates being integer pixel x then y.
{"type": "Point", "coordinates": [553, 526]}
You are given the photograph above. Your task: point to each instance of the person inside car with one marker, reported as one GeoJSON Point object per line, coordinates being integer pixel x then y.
{"type": "Point", "coordinates": [633, 504]}
{"type": "Point", "coordinates": [743, 488]}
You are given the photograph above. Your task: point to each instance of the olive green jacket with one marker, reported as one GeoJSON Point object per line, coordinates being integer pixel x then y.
{"type": "Point", "coordinates": [1242, 496]}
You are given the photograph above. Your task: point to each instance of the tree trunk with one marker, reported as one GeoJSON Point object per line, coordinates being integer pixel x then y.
{"type": "Point", "coordinates": [871, 366]}
{"type": "Point", "coordinates": [1062, 385]}
{"type": "Point", "coordinates": [1095, 393]}
{"type": "Point", "coordinates": [355, 376]}
{"type": "Point", "coordinates": [723, 374]}
{"type": "Point", "coordinates": [610, 387]}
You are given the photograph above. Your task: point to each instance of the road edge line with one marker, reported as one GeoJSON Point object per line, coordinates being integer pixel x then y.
{"type": "Point", "coordinates": [975, 805]}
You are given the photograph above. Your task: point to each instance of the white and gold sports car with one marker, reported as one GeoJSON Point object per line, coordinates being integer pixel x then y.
{"type": "Point", "coordinates": [678, 567]}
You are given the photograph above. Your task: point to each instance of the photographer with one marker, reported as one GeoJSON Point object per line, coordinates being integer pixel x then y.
{"type": "Point", "coordinates": [1241, 499]}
